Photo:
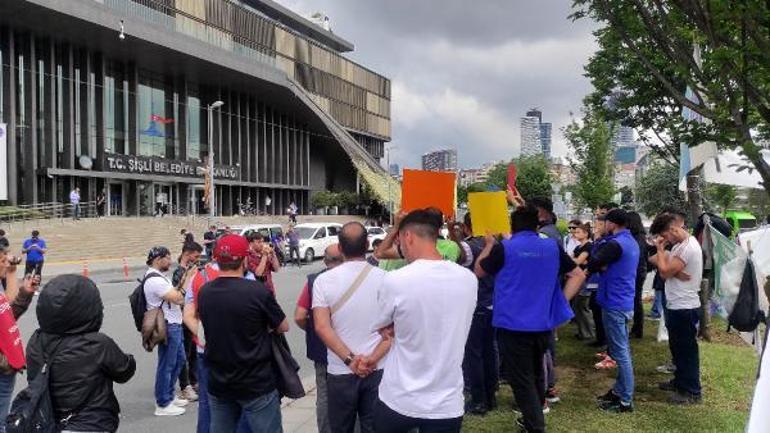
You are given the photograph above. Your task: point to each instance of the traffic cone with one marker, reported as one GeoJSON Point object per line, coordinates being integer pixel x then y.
{"type": "Point", "coordinates": [85, 268]}
{"type": "Point", "coordinates": [125, 268]}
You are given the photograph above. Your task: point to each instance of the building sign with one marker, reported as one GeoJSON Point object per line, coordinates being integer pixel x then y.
{"type": "Point", "coordinates": [4, 161]}
{"type": "Point", "coordinates": [151, 165]}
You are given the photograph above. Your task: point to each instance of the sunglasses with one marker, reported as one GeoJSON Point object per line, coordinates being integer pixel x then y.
{"type": "Point", "coordinates": [572, 227]}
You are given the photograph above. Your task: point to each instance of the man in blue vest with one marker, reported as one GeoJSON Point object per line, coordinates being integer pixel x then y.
{"type": "Point", "coordinates": [316, 349]}
{"type": "Point", "coordinates": [528, 306]}
{"type": "Point", "coordinates": [616, 262]}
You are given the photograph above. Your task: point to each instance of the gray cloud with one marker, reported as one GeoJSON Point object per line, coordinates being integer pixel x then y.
{"type": "Point", "coordinates": [463, 73]}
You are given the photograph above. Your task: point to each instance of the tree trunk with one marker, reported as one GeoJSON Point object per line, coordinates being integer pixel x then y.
{"type": "Point", "coordinates": [695, 207]}
{"type": "Point", "coordinates": [695, 194]}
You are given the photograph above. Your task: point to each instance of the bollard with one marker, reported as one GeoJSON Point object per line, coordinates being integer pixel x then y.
{"type": "Point", "coordinates": [85, 268]}
{"type": "Point", "coordinates": [125, 268]}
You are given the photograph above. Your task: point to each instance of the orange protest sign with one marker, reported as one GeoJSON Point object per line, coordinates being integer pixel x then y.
{"type": "Point", "coordinates": [489, 213]}
{"type": "Point", "coordinates": [421, 189]}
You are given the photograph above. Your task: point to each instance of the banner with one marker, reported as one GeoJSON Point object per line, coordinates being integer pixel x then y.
{"type": "Point", "coordinates": [3, 162]}
{"type": "Point", "coordinates": [489, 213]}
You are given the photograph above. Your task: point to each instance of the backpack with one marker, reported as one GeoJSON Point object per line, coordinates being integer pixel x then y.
{"type": "Point", "coordinates": [32, 410]}
{"type": "Point", "coordinates": [746, 315]}
{"type": "Point", "coordinates": [139, 302]}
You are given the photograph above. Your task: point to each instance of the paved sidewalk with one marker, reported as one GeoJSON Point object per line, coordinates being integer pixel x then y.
{"type": "Point", "coordinates": [299, 415]}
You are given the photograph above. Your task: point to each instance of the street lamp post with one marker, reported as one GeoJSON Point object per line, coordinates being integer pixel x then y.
{"type": "Point", "coordinates": [389, 149]}
{"type": "Point", "coordinates": [212, 200]}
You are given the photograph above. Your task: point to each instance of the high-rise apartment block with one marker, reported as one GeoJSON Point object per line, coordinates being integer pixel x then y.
{"type": "Point", "coordinates": [440, 160]}
{"type": "Point", "coordinates": [535, 135]}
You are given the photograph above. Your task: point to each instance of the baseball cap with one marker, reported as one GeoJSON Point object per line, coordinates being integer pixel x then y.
{"type": "Point", "coordinates": [617, 216]}
{"type": "Point", "coordinates": [156, 252]}
{"type": "Point", "coordinates": [230, 248]}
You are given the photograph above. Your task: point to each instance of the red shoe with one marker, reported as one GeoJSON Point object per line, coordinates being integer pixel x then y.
{"type": "Point", "coordinates": [606, 364]}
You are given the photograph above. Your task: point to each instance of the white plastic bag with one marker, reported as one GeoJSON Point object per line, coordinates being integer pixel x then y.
{"type": "Point", "coordinates": [662, 330]}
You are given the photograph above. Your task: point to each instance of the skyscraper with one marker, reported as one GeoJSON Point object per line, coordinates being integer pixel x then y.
{"type": "Point", "coordinates": [530, 136]}
{"type": "Point", "coordinates": [545, 139]}
{"type": "Point", "coordinates": [440, 160]}
{"type": "Point", "coordinates": [535, 135]}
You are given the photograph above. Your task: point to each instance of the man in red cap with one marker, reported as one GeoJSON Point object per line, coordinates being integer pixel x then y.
{"type": "Point", "coordinates": [238, 316]}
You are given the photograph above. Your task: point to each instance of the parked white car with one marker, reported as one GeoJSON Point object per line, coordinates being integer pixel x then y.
{"type": "Point", "coordinates": [269, 231]}
{"type": "Point", "coordinates": [374, 233]}
{"type": "Point", "coordinates": [314, 238]}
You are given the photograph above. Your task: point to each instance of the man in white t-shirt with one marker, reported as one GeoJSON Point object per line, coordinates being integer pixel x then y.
{"type": "Point", "coordinates": [160, 293]}
{"type": "Point", "coordinates": [429, 306]}
{"type": "Point", "coordinates": [682, 269]}
{"type": "Point", "coordinates": [344, 310]}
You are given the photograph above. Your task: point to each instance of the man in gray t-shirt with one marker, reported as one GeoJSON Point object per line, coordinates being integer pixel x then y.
{"type": "Point", "coordinates": [681, 268]}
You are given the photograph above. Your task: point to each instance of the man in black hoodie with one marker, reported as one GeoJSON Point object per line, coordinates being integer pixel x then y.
{"type": "Point", "coordinates": [84, 363]}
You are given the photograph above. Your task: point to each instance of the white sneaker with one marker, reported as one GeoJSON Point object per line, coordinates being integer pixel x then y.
{"type": "Point", "coordinates": [189, 394]}
{"type": "Point", "coordinates": [169, 410]}
{"type": "Point", "coordinates": [180, 402]}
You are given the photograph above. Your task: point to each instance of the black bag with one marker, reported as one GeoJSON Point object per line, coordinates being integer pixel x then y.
{"type": "Point", "coordinates": [746, 315]}
{"type": "Point", "coordinates": [286, 368]}
{"type": "Point", "coordinates": [139, 302]}
{"type": "Point", "coordinates": [32, 410]}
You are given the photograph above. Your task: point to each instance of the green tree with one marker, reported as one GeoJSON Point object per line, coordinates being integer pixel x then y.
{"type": "Point", "coordinates": [462, 192]}
{"type": "Point", "coordinates": [533, 177]}
{"type": "Point", "coordinates": [658, 189]}
{"type": "Point", "coordinates": [645, 44]}
{"type": "Point", "coordinates": [592, 159]}
{"type": "Point", "coordinates": [722, 195]}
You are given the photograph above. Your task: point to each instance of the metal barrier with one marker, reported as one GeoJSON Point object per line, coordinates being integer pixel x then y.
{"type": "Point", "coordinates": [51, 210]}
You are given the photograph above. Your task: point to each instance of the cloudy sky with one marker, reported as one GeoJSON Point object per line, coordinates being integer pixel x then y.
{"type": "Point", "coordinates": [462, 72]}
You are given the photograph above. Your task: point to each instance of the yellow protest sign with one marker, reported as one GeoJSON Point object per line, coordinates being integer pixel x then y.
{"type": "Point", "coordinates": [489, 213]}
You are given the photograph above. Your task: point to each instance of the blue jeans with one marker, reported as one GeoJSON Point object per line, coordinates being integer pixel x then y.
{"type": "Point", "coordinates": [204, 409]}
{"type": "Point", "coordinates": [263, 414]}
{"type": "Point", "coordinates": [683, 341]}
{"type": "Point", "coordinates": [171, 359]}
{"type": "Point", "coordinates": [7, 382]}
{"type": "Point", "coordinates": [657, 304]}
{"type": "Point", "coordinates": [616, 327]}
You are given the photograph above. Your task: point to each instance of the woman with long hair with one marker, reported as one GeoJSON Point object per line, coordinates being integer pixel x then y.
{"type": "Point", "coordinates": [636, 228]}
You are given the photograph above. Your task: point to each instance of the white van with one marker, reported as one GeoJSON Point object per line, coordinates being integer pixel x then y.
{"type": "Point", "coordinates": [314, 238]}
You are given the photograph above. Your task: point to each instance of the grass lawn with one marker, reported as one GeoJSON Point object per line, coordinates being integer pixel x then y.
{"type": "Point", "coordinates": [728, 371]}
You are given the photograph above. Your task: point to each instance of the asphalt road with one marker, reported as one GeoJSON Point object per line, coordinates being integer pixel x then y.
{"type": "Point", "coordinates": [136, 397]}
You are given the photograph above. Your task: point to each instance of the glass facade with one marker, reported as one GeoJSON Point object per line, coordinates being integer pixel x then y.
{"type": "Point", "coordinates": [355, 96]}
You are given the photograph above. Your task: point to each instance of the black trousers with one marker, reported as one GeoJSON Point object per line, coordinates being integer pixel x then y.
{"type": "Point", "coordinates": [682, 328]}
{"type": "Point", "coordinates": [349, 397]}
{"type": "Point", "coordinates": [523, 353]}
{"type": "Point", "coordinates": [188, 374]}
{"type": "Point", "coordinates": [37, 267]}
{"type": "Point", "coordinates": [601, 336]}
{"type": "Point", "coordinates": [480, 362]}
{"type": "Point", "coordinates": [389, 421]}
{"type": "Point", "coordinates": [637, 329]}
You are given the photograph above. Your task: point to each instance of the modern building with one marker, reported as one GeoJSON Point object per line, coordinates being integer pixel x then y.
{"type": "Point", "coordinates": [535, 135]}
{"type": "Point", "coordinates": [545, 139]}
{"type": "Point", "coordinates": [440, 160]}
{"type": "Point", "coordinates": [530, 136]}
{"type": "Point", "coordinates": [113, 95]}
{"type": "Point", "coordinates": [394, 170]}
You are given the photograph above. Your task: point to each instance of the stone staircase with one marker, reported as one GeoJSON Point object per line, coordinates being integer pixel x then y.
{"type": "Point", "coordinates": [130, 237]}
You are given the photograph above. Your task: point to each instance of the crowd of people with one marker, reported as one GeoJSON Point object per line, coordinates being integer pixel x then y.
{"type": "Point", "coordinates": [397, 339]}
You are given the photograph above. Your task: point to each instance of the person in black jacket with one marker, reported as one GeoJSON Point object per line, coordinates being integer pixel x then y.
{"type": "Point", "coordinates": [636, 228]}
{"type": "Point", "coordinates": [84, 363]}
